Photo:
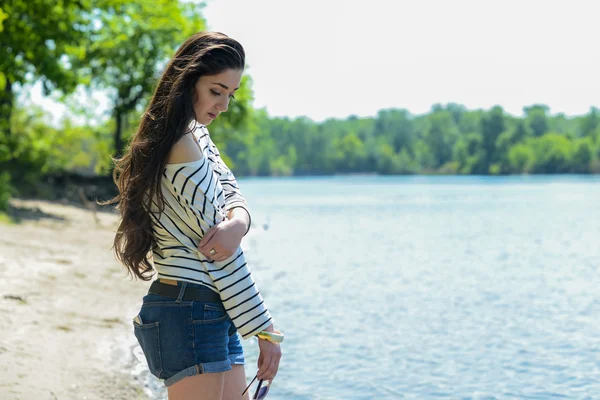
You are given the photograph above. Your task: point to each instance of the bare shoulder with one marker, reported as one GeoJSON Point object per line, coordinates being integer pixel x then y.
{"type": "Point", "coordinates": [185, 150]}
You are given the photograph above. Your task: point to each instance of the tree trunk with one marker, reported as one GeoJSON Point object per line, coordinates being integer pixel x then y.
{"type": "Point", "coordinates": [7, 101]}
{"type": "Point", "coordinates": [122, 110]}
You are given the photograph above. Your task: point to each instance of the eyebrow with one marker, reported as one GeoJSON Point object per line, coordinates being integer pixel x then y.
{"type": "Point", "coordinates": [224, 86]}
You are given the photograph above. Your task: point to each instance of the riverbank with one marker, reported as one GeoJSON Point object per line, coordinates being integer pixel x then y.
{"type": "Point", "coordinates": [66, 306]}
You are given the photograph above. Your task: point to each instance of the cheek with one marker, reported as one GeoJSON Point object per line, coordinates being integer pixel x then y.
{"type": "Point", "coordinates": [206, 101]}
{"type": "Point", "coordinates": [200, 102]}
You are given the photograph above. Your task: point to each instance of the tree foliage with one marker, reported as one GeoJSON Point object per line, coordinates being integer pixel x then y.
{"type": "Point", "coordinates": [115, 45]}
{"type": "Point", "coordinates": [37, 38]}
{"type": "Point", "coordinates": [126, 48]}
{"type": "Point", "coordinates": [448, 140]}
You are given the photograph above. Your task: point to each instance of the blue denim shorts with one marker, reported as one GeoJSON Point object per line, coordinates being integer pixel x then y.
{"type": "Point", "coordinates": [186, 338]}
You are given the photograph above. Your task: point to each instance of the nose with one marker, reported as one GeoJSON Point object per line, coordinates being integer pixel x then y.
{"type": "Point", "coordinates": [223, 105]}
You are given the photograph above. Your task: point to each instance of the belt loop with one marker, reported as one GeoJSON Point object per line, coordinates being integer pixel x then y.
{"type": "Point", "coordinates": [181, 292]}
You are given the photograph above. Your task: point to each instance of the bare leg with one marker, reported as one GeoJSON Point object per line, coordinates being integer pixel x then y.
{"type": "Point", "coordinates": [198, 387]}
{"type": "Point", "coordinates": [235, 383]}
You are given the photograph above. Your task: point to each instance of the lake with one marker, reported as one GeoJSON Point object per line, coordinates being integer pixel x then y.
{"type": "Point", "coordinates": [429, 287]}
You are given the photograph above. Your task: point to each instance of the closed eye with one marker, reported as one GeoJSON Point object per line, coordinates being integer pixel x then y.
{"type": "Point", "coordinates": [217, 94]}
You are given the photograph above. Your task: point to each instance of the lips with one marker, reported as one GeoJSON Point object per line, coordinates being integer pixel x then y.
{"type": "Point", "coordinates": [213, 116]}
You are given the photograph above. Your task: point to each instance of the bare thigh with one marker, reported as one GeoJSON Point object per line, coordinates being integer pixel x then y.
{"type": "Point", "coordinates": [235, 383]}
{"type": "Point", "coordinates": [198, 387]}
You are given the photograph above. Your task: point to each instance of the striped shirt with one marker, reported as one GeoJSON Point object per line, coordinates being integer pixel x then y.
{"type": "Point", "coordinates": [198, 195]}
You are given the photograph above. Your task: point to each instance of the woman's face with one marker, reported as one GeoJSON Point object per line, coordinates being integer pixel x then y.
{"type": "Point", "coordinates": [213, 93]}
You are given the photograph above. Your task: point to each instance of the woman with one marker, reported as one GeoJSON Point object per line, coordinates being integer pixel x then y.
{"type": "Point", "coordinates": [178, 199]}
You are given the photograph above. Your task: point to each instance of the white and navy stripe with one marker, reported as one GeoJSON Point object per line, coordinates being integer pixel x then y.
{"type": "Point", "coordinates": [198, 195]}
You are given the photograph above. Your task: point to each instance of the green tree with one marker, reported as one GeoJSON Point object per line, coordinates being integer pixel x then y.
{"type": "Point", "coordinates": [38, 36]}
{"type": "Point", "coordinates": [385, 158]}
{"type": "Point", "coordinates": [536, 118]}
{"type": "Point", "coordinates": [552, 153]}
{"type": "Point", "coordinates": [583, 155]}
{"type": "Point", "coordinates": [397, 128]}
{"type": "Point", "coordinates": [470, 155]}
{"type": "Point", "coordinates": [521, 158]}
{"type": "Point", "coordinates": [470, 121]}
{"type": "Point", "coordinates": [492, 125]}
{"type": "Point", "coordinates": [458, 111]}
{"type": "Point", "coordinates": [440, 136]}
{"type": "Point", "coordinates": [37, 40]}
{"type": "Point", "coordinates": [424, 158]}
{"type": "Point", "coordinates": [404, 163]}
{"type": "Point", "coordinates": [590, 122]}
{"type": "Point", "coordinates": [351, 152]}
{"type": "Point", "coordinates": [126, 48]}
{"type": "Point", "coordinates": [516, 134]}
{"type": "Point", "coordinates": [3, 16]}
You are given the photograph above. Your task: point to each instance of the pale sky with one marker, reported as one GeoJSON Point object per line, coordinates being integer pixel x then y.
{"type": "Point", "coordinates": [332, 58]}
{"type": "Point", "coordinates": [336, 58]}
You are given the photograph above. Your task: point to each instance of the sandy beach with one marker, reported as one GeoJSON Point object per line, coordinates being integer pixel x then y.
{"type": "Point", "coordinates": [66, 306]}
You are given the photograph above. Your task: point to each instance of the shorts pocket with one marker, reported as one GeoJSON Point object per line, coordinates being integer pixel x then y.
{"type": "Point", "coordinates": [149, 340]}
{"type": "Point", "coordinates": [212, 314]}
{"type": "Point", "coordinates": [211, 325]}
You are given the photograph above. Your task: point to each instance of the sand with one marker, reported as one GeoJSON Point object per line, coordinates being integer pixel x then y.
{"type": "Point", "coordinates": [66, 306]}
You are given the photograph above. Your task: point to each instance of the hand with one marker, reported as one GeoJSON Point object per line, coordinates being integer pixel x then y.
{"type": "Point", "coordinates": [225, 237]}
{"type": "Point", "coordinates": [268, 360]}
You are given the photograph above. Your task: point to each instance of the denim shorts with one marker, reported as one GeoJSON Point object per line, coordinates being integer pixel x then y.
{"type": "Point", "coordinates": [186, 338]}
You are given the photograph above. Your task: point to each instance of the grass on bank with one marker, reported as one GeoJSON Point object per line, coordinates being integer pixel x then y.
{"type": "Point", "coordinates": [6, 219]}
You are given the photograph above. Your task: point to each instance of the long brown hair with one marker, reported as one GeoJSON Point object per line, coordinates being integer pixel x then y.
{"type": "Point", "coordinates": [138, 173]}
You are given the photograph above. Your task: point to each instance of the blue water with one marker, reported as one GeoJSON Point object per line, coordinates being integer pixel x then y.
{"type": "Point", "coordinates": [430, 287]}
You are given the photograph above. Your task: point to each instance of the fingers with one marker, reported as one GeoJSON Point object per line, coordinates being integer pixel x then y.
{"type": "Point", "coordinates": [218, 242]}
{"type": "Point", "coordinates": [204, 244]}
{"type": "Point", "coordinates": [260, 361]}
{"type": "Point", "coordinates": [208, 256]}
{"type": "Point", "coordinates": [269, 368]}
{"type": "Point", "coordinates": [268, 363]}
{"type": "Point", "coordinates": [264, 362]}
{"type": "Point", "coordinates": [274, 367]}
{"type": "Point", "coordinates": [220, 256]}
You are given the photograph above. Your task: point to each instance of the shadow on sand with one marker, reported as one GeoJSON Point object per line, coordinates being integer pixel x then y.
{"type": "Point", "coordinates": [20, 214]}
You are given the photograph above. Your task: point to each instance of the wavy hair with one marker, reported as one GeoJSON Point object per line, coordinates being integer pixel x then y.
{"type": "Point", "coordinates": [170, 112]}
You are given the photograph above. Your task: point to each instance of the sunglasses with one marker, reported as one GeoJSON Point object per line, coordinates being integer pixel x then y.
{"type": "Point", "coordinates": [261, 391]}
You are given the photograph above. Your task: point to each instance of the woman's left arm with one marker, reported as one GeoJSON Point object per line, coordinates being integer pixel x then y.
{"type": "Point", "coordinates": [226, 237]}
{"type": "Point", "coordinates": [241, 216]}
